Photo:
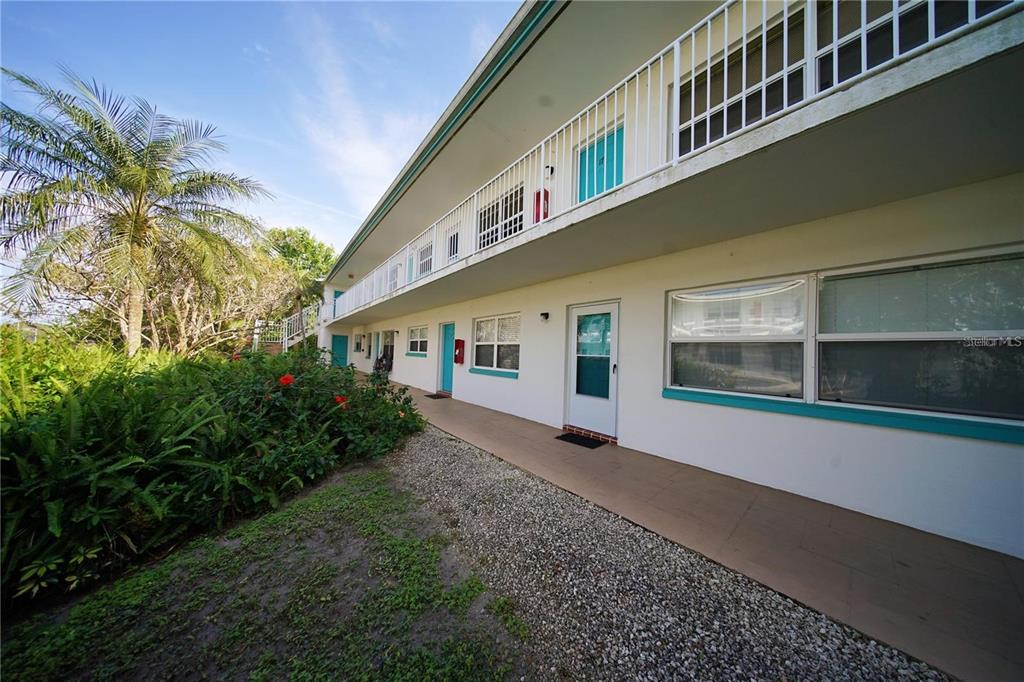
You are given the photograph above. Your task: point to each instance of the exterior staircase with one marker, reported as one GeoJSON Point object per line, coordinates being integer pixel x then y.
{"type": "Point", "coordinates": [276, 336]}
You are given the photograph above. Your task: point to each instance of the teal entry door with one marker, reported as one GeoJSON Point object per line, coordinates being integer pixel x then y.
{"type": "Point", "coordinates": [447, 356]}
{"type": "Point", "coordinates": [339, 350]}
{"type": "Point", "coordinates": [601, 165]}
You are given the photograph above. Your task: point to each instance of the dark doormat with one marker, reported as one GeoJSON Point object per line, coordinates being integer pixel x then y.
{"type": "Point", "coordinates": [576, 439]}
{"type": "Point", "coordinates": [437, 396]}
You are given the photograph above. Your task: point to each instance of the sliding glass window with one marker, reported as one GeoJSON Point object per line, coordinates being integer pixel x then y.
{"type": "Point", "coordinates": [747, 339]}
{"type": "Point", "coordinates": [943, 337]}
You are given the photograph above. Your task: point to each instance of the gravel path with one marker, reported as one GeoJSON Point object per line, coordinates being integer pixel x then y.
{"type": "Point", "coordinates": [606, 599]}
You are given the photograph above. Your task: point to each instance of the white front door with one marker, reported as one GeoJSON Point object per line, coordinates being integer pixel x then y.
{"type": "Point", "coordinates": [593, 368]}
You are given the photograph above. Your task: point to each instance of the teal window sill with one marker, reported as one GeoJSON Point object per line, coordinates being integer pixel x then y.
{"type": "Point", "coordinates": [504, 373]}
{"type": "Point", "coordinates": [410, 354]}
{"type": "Point", "coordinates": [945, 425]}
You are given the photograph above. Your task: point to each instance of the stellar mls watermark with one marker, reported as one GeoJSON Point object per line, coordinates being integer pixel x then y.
{"type": "Point", "coordinates": [993, 341]}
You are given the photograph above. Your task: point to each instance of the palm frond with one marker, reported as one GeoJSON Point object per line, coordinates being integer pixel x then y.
{"type": "Point", "coordinates": [207, 185]}
{"type": "Point", "coordinates": [149, 129]}
{"type": "Point", "coordinates": [117, 180]}
{"type": "Point", "coordinates": [31, 215]}
{"type": "Point", "coordinates": [40, 143]}
{"type": "Point", "coordinates": [26, 288]}
{"type": "Point", "coordinates": [107, 107]}
{"type": "Point", "coordinates": [192, 144]}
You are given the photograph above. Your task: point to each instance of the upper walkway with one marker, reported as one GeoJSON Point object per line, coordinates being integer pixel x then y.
{"type": "Point", "coordinates": [953, 605]}
{"type": "Point", "coordinates": [746, 65]}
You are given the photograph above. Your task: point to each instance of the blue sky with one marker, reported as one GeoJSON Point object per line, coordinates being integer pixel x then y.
{"type": "Point", "coordinates": [322, 102]}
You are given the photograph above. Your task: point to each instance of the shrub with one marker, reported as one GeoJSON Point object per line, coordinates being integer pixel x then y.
{"type": "Point", "coordinates": [106, 459]}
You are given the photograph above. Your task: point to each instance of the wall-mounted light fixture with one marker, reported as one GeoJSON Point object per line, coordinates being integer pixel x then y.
{"type": "Point", "coordinates": [545, 316]}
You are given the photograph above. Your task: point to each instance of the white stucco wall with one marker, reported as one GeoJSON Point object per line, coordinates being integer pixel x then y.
{"type": "Point", "coordinates": [972, 490]}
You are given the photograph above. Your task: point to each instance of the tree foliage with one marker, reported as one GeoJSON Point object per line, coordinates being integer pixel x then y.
{"type": "Point", "coordinates": [181, 314]}
{"type": "Point", "coordinates": [304, 252]}
{"type": "Point", "coordinates": [105, 195]}
{"type": "Point", "coordinates": [107, 458]}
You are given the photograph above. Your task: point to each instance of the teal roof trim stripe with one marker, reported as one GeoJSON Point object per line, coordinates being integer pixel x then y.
{"type": "Point", "coordinates": [440, 137]}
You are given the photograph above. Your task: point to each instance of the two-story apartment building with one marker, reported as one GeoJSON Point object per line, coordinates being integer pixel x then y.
{"type": "Point", "coordinates": [778, 239]}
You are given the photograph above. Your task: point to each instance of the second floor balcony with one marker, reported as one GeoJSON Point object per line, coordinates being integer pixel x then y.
{"type": "Point", "coordinates": [746, 64]}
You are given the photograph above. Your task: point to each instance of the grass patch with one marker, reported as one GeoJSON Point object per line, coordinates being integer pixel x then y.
{"type": "Point", "coordinates": [342, 583]}
{"type": "Point", "coordinates": [459, 598]}
{"type": "Point", "coordinates": [504, 610]}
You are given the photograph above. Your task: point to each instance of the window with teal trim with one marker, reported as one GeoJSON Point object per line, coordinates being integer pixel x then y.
{"type": "Point", "coordinates": [496, 342]}
{"type": "Point", "coordinates": [946, 337]}
{"type": "Point", "coordinates": [939, 337]}
{"type": "Point", "coordinates": [417, 339]}
{"type": "Point", "coordinates": [747, 339]}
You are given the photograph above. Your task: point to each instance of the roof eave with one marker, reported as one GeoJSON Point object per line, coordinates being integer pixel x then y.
{"type": "Point", "coordinates": [526, 25]}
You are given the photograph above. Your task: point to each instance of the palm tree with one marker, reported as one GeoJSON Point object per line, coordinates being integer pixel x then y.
{"type": "Point", "coordinates": [93, 173]}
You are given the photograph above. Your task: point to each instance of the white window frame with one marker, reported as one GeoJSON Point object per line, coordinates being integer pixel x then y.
{"type": "Point", "coordinates": [393, 276]}
{"type": "Point", "coordinates": [777, 25]}
{"type": "Point", "coordinates": [810, 303]}
{"type": "Point", "coordinates": [496, 343]}
{"type": "Point", "coordinates": [424, 259]}
{"type": "Point", "coordinates": [813, 336]}
{"type": "Point", "coordinates": [358, 342]}
{"type": "Point", "coordinates": [418, 336]}
{"type": "Point", "coordinates": [949, 335]}
{"type": "Point", "coordinates": [506, 221]}
{"type": "Point", "coordinates": [451, 241]}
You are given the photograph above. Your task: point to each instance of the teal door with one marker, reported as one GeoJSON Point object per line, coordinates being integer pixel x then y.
{"type": "Point", "coordinates": [339, 350]}
{"type": "Point", "coordinates": [336, 295]}
{"type": "Point", "coordinates": [601, 165]}
{"type": "Point", "coordinates": [447, 356]}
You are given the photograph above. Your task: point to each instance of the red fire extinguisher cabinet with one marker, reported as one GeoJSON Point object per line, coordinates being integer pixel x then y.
{"type": "Point", "coordinates": [540, 205]}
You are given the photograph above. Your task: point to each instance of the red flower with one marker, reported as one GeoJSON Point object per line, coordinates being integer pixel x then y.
{"type": "Point", "coordinates": [340, 399]}
{"type": "Point", "coordinates": [235, 357]}
{"type": "Point", "coordinates": [286, 380]}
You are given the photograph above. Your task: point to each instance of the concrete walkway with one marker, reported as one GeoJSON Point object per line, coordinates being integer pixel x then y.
{"type": "Point", "coordinates": [956, 606]}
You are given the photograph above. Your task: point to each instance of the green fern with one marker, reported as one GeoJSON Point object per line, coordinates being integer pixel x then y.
{"type": "Point", "coordinates": [106, 459]}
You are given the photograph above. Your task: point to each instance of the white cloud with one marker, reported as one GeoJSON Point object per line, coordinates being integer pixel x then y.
{"type": "Point", "coordinates": [382, 30]}
{"type": "Point", "coordinates": [327, 223]}
{"type": "Point", "coordinates": [363, 148]}
{"type": "Point", "coordinates": [330, 224]}
{"type": "Point", "coordinates": [257, 52]}
{"type": "Point", "coordinates": [481, 37]}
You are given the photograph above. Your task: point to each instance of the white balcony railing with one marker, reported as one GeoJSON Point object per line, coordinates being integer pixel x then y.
{"type": "Point", "coordinates": [747, 62]}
